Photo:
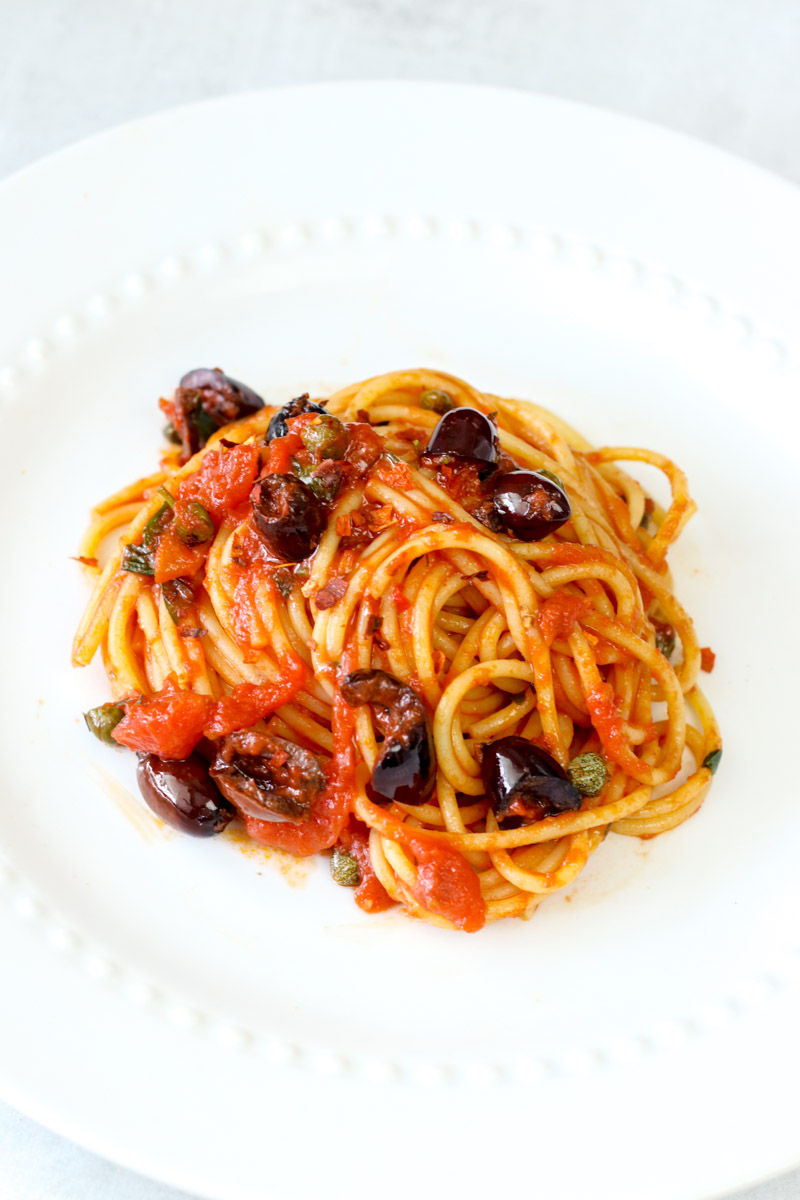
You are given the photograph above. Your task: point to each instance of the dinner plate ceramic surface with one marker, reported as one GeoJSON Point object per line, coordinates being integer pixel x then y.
{"type": "Point", "coordinates": [224, 1018]}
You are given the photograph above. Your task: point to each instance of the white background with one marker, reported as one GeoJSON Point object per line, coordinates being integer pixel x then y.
{"type": "Point", "coordinates": [722, 70]}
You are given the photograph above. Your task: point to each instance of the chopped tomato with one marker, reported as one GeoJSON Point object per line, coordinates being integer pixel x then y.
{"type": "Point", "coordinates": [707, 659]}
{"type": "Point", "coordinates": [173, 559]}
{"type": "Point", "coordinates": [364, 448]}
{"type": "Point", "coordinates": [447, 885]}
{"type": "Point", "coordinates": [169, 723]}
{"type": "Point", "coordinates": [249, 702]}
{"type": "Point", "coordinates": [281, 452]}
{"type": "Point", "coordinates": [560, 613]}
{"type": "Point", "coordinates": [330, 812]}
{"type": "Point", "coordinates": [370, 895]}
{"type": "Point", "coordinates": [224, 480]}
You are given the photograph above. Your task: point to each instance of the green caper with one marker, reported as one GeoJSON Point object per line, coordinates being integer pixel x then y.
{"type": "Point", "coordinates": [712, 761]}
{"type": "Point", "coordinates": [325, 437]}
{"type": "Point", "coordinates": [103, 720]}
{"type": "Point", "coordinates": [171, 434]}
{"type": "Point", "coordinates": [588, 773]}
{"type": "Point", "coordinates": [435, 400]}
{"type": "Point", "coordinates": [344, 868]}
{"type": "Point", "coordinates": [550, 475]}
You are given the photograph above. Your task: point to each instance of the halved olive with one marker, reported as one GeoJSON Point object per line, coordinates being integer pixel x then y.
{"type": "Point", "coordinates": [530, 504]}
{"type": "Point", "coordinates": [525, 784]}
{"type": "Point", "coordinates": [182, 793]}
{"type": "Point", "coordinates": [463, 434]}
{"type": "Point", "coordinates": [288, 516]}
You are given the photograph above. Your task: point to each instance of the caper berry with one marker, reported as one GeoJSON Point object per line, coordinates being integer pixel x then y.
{"type": "Point", "coordinates": [588, 773]}
{"type": "Point", "coordinates": [344, 868]}
{"type": "Point", "coordinates": [435, 400]}
{"type": "Point", "coordinates": [103, 720]}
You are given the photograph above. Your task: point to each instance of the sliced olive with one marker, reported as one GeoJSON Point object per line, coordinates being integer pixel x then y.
{"type": "Point", "coordinates": [530, 504]}
{"type": "Point", "coordinates": [288, 516]}
{"type": "Point", "coordinates": [267, 777]}
{"type": "Point", "coordinates": [463, 435]}
{"type": "Point", "coordinates": [525, 784]}
{"type": "Point", "coordinates": [103, 720]}
{"type": "Point", "coordinates": [182, 793]}
{"type": "Point", "coordinates": [589, 773]}
{"type": "Point", "coordinates": [403, 770]}
{"type": "Point", "coordinates": [205, 400]}
{"type": "Point", "coordinates": [301, 404]}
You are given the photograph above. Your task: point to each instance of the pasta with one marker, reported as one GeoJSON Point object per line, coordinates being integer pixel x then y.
{"type": "Point", "coordinates": [426, 629]}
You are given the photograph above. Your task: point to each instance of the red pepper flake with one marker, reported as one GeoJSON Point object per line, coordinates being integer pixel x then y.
{"type": "Point", "coordinates": [331, 593]}
{"type": "Point", "coordinates": [707, 659]}
{"type": "Point", "coordinates": [439, 659]}
{"type": "Point", "coordinates": [400, 600]}
{"type": "Point", "coordinates": [87, 562]}
{"type": "Point", "coordinates": [344, 525]}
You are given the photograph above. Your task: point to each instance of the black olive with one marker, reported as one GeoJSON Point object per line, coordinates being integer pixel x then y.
{"type": "Point", "coordinates": [524, 783]}
{"type": "Point", "coordinates": [530, 504]}
{"type": "Point", "coordinates": [294, 408]}
{"type": "Point", "coordinates": [205, 400]}
{"type": "Point", "coordinates": [181, 792]}
{"type": "Point", "coordinates": [288, 516]}
{"type": "Point", "coordinates": [463, 434]}
{"type": "Point", "coordinates": [403, 770]}
{"type": "Point", "coordinates": [267, 777]}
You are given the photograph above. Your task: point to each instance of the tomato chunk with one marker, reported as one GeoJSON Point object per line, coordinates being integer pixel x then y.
{"type": "Point", "coordinates": [370, 895]}
{"type": "Point", "coordinates": [224, 480]}
{"type": "Point", "coordinates": [249, 702]}
{"type": "Point", "coordinates": [169, 723]}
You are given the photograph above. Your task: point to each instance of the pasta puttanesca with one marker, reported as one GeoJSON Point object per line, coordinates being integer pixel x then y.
{"type": "Point", "coordinates": [210, 622]}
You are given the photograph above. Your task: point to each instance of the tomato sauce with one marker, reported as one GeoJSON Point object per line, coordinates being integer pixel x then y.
{"type": "Point", "coordinates": [370, 895]}
{"type": "Point", "coordinates": [250, 702]}
{"type": "Point", "coordinates": [559, 615]}
{"type": "Point", "coordinates": [224, 480]}
{"type": "Point", "coordinates": [608, 723]}
{"type": "Point", "coordinates": [170, 723]}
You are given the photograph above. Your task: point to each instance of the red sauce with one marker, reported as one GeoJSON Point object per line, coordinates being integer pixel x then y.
{"type": "Point", "coordinates": [329, 814]}
{"type": "Point", "coordinates": [446, 883]}
{"type": "Point", "coordinates": [370, 895]}
{"type": "Point", "coordinates": [281, 452]}
{"type": "Point", "coordinates": [707, 659]}
{"type": "Point", "coordinates": [224, 480]}
{"type": "Point", "coordinates": [608, 723]}
{"type": "Point", "coordinates": [250, 702]}
{"type": "Point", "coordinates": [174, 560]}
{"type": "Point", "coordinates": [169, 723]}
{"type": "Point", "coordinates": [559, 615]}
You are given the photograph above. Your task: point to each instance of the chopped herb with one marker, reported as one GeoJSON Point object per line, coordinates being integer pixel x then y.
{"type": "Point", "coordinates": [103, 720]}
{"type": "Point", "coordinates": [178, 596]}
{"type": "Point", "coordinates": [204, 423]}
{"type": "Point", "coordinates": [138, 560]}
{"type": "Point", "coordinates": [284, 581]}
{"type": "Point", "coordinates": [197, 526]}
{"type": "Point", "coordinates": [344, 868]}
{"type": "Point", "coordinates": [166, 496]}
{"type": "Point", "coordinates": [712, 761]}
{"type": "Point", "coordinates": [156, 525]}
{"type": "Point", "coordinates": [301, 571]}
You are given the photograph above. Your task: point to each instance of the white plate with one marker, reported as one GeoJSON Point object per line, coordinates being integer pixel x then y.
{"type": "Point", "coordinates": [234, 1025]}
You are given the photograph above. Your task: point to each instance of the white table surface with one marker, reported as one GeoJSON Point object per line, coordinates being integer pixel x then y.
{"type": "Point", "coordinates": [722, 70]}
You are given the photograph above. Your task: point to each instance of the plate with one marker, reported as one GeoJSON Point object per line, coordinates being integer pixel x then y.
{"type": "Point", "coordinates": [226, 1020]}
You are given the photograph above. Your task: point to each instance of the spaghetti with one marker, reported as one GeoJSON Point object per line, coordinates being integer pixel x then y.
{"type": "Point", "coordinates": [426, 629]}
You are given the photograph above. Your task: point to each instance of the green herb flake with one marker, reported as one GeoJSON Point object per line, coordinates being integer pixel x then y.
{"type": "Point", "coordinates": [197, 527]}
{"type": "Point", "coordinates": [138, 560]}
{"type": "Point", "coordinates": [712, 761]}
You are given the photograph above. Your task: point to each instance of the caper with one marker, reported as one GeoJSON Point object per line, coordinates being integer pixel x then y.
{"type": "Point", "coordinates": [435, 400]}
{"type": "Point", "coordinates": [171, 434]}
{"type": "Point", "coordinates": [196, 526]}
{"type": "Point", "coordinates": [325, 437]}
{"type": "Point", "coordinates": [103, 720]}
{"type": "Point", "coordinates": [344, 868]}
{"type": "Point", "coordinates": [588, 773]}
